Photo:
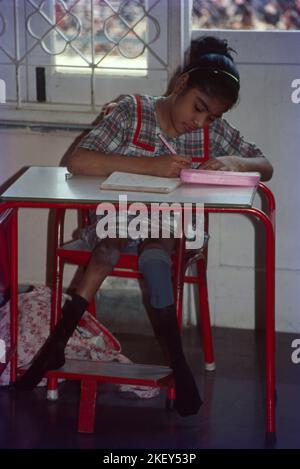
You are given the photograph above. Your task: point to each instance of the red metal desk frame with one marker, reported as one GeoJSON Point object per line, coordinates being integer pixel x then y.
{"type": "Point", "coordinates": [268, 220]}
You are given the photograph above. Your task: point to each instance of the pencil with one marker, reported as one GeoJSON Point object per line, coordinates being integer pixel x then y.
{"type": "Point", "coordinates": [167, 144]}
{"type": "Point", "coordinates": [172, 151]}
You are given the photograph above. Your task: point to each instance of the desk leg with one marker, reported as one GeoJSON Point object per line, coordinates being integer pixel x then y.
{"type": "Point", "coordinates": [270, 326]}
{"type": "Point", "coordinates": [14, 294]}
{"type": "Point", "coordinates": [270, 320]}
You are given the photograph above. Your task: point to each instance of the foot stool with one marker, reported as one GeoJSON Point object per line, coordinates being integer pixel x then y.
{"type": "Point", "coordinates": [89, 373]}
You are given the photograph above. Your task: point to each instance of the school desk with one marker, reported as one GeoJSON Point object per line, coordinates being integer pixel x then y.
{"type": "Point", "coordinates": [47, 187]}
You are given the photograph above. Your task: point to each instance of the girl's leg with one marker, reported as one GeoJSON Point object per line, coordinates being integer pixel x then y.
{"type": "Point", "coordinates": [155, 265]}
{"type": "Point", "coordinates": [51, 356]}
{"type": "Point", "coordinates": [104, 258]}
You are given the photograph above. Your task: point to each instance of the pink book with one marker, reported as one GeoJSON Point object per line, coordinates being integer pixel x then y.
{"type": "Point", "coordinates": [224, 178]}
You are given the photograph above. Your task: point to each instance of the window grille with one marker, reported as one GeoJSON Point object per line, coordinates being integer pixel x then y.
{"type": "Point", "coordinates": [61, 52]}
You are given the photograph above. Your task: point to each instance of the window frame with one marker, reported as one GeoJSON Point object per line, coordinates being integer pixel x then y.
{"type": "Point", "coordinates": [173, 15]}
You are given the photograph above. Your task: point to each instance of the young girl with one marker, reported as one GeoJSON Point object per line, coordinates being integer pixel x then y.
{"type": "Point", "coordinates": [127, 140]}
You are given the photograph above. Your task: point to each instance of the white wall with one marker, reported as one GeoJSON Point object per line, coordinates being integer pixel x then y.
{"type": "Point", "coordinates": [19, 148]}
{"type": "Point", "coordinates": [268, 63]}
{"type": "Point", "coordinates": [265, 115]}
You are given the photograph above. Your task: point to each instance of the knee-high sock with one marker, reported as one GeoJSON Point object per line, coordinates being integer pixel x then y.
{"type": "Point", "coordinates": [155, 265]}
{"type": "Point", "coordinates": [188, 400]}
{"type": "Point", "coordinates": [51, 355]}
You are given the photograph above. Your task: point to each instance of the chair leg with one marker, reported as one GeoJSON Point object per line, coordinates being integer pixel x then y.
{"type": "Point", "coordinates": [52, 391]}
{"type": "Point", "coordinates": [170, 398]}
{"type": "Point", "coordinates": [179, 302]}
{"type": "Point", "coordinates": [55, 280]}
{"type": "Point", "coordinates": [179, 282]}
{"type": "Point", "coordinates": [52, 384]}
{"type": "Point", "coordinates": [87, 406]}
{"type": "Point", "coordinates": [204, 317]}
{"type": "Point", "coordinates": [61, 265]}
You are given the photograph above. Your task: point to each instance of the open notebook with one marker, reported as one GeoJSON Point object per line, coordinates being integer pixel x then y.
{"type": "Point", "coordinates": [139, 182]}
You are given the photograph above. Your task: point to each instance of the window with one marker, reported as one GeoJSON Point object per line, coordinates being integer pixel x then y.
{"type": "Point", "coordinates": [106, 35]}
{"type": "Point", "coordinates": [75, 55]}
{"type": "Point", "coordinates": [63, 59]}
{"type": "Point", "coordinates": [263, 24]}
{"type": "Point", "coordinates": [247, 14]}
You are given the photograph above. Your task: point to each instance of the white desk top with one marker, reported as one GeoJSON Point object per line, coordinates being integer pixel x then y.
{"type": "Point", "coordinates": [48, 184]}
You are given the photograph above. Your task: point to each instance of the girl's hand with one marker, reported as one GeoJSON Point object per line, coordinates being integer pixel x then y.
{"type": "Point", "coordinates": [224, 163]}
{"type": "Point", "coordinates": [170, 165]}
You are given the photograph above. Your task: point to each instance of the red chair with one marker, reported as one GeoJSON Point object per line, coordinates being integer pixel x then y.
{"type": "Point", "coordinates": [90, 374]}
{"type": "Point", "coordinates": [75, 252]}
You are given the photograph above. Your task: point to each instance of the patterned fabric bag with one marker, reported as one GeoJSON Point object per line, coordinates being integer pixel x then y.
{"type": "Point", "coordinates": [90, 341]}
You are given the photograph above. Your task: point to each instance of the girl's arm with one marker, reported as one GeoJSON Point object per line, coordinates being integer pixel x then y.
{"type": "Point", "coordinates": [231, 152]}
{"type": "Point", "coordinates": [93, 163]}
{"type": "Point", "coordinates": [239, 163]}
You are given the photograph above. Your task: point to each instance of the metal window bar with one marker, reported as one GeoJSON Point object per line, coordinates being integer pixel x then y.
{"type": "Point", "coordinates": [26, 57]}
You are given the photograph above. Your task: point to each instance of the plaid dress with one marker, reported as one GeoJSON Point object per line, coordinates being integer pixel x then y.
{"type": "Point", "coordinates": [132, 128]}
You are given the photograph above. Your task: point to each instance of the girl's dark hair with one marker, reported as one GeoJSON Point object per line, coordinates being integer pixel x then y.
{"type": "Point", "coordinates": [212, 69]}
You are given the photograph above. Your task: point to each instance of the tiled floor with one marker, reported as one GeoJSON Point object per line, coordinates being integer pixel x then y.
{"type": "Point", "coordinates": [232, 415]}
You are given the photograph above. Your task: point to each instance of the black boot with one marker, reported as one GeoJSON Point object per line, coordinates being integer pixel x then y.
{"type": "Point", "coordinates": [51, 356]}
{"type": "Point", "coordinates": [188, 400]}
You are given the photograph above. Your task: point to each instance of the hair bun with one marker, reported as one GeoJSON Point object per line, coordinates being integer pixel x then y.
{"type": "Point", "coordinates": [209, 45]}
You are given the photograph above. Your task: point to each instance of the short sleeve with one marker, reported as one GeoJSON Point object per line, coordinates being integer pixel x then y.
{"type": "Point", "coordinates": [111, 134]}
{"type": "Point", "coordinates": [226, 140]}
